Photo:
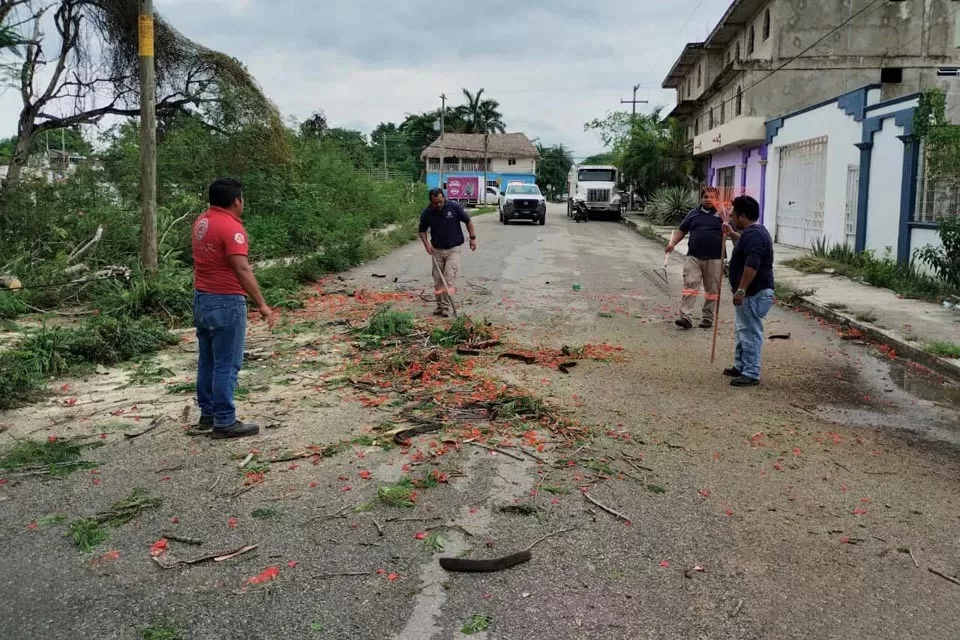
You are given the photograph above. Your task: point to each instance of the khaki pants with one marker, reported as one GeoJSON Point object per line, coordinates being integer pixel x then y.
{"type": "Point", "coordinates": [449, 262]}
{"type": "Point", "coordinates": [697, 273]}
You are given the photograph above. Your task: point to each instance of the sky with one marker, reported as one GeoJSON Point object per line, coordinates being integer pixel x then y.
{"type": "Point", "coordinates": [552, 64]}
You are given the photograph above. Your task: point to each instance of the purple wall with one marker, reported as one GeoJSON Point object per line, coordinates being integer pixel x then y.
{"type": "Point", "coordinates": [745, 182]}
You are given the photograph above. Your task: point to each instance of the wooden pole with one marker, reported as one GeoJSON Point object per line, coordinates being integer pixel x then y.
{"type": "Point", "coordinates": [149, 260]}
{"type": "Point", "coordinates": [723, 263]}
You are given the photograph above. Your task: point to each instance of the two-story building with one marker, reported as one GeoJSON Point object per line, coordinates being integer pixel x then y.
{"type": "Point", "coordinates": [769, 59]}
{"type": "Point", "coordinates": [510, 157]}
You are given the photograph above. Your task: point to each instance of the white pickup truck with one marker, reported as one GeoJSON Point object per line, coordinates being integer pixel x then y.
{"type": "Point", "coordinates": [594, 193]}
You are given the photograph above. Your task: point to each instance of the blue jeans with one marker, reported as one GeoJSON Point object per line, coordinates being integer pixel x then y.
{"type": "Point", "coordinates": [749, 330]}
{"type": "Point", "coordinates": [221, 322]}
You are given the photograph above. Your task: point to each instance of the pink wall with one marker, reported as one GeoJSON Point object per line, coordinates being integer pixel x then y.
{"type": "Point", "coordinates": [734, 158]}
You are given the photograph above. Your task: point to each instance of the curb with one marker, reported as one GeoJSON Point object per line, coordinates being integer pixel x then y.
{"type": "Point", "coordinates": [945, 368]}
{"type": "Point", "coordinates": [903, 349]}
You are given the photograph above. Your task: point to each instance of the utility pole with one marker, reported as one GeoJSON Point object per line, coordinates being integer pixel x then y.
{"type": "Point", "coordinates": [486, 159]}
{"type": "Point", "coordinates": [443, 111]}
{"type": "Point", "coordinates": [386, 172]}
{"type": "Point", "coordinates": [633, 121]}
{"type": "Point", "coordinates": [149, 260]}
{"type": "Point", "coordinates": [634, 102]}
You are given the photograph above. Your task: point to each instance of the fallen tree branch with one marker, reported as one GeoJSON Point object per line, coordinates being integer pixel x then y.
{"type": "Point", "coordinates": [944, 576]}
{"type": "Point", "coordinates": [548, 536]}
{"type": "Point", "coordinates": [605, 507]}
{"type": "Point", "coordinates": [223, 556]}
{"type": "Point", "coordinates": [77, 253]}
{"type": "Point", "coordinates": [496, 450]}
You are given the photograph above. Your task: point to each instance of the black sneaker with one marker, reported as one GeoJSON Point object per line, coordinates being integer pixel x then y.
{"type": "Point", "coordinates": [438, 312]}
{"type": "Point", "coordinates": [684, 323]}
{"type": "Point", "coordinates": [732, 372]}
{"type": "Point", "coordinates": [706, 324]}
{"type": "Point", "coordinates": [205, 424]}
{"type": "Point", "coordinates": [744, 381]}
{"type": "Point", "coordinates": [238, 430]}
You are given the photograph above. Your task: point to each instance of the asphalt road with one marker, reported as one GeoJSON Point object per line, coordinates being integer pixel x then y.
{"type": "Point", "coordinates": [810, 507]}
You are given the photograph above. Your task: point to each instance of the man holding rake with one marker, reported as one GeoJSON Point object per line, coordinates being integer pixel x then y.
{"type": "Point", "coordinates": [702, 265]}
{"type": "Point", "coordinates": [443, 220]}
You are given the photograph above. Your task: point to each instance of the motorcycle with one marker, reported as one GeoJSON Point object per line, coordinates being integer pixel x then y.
{"type": "Point", "coordinates": [580, 213]}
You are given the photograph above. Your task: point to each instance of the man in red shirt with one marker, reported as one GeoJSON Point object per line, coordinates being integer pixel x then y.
{"type": "Point", "coordinates": [222, 280]}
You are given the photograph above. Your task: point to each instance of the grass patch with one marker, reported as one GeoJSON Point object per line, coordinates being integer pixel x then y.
{"type": "Point", "coordinates": [477, 623]}
{"type": "Point", "coordinates": [838, 306]}
{"type": "Point", "coordinates": [87, 533]}
{"type": "Point", "coordinates": [162, 629]}
{"type": "Point", "coordinates": [866, 316]}
{"type": "Point", "coordinates": [557, 491]}
{"type": "Point", "coordinates": [387, 323]}
{"type": "Point", "coordinates": [265, 514]}
{"type": "Point", "coordinates": [521, 509]}
{"type": "Point", "coordinates": [149, 372]}
{"type": "Point", "coordinates": [648, 232]}
{"type": "Point", "coordinates": [655, 488]}
{"type": "Point", "coordinates": [399, 495]}
{"type": "Point", "coordinates": [785, 294]}
{"type": "Point", "coordinates": [176, 388]}
{"type": "Point", "coordinates": [879, 271]}
{"type": "Point", "coordinates": [947, 350]}
{"type": "Point", "coordinates": [58, 457]}
{"type": "Point", "coordinates": [50, 352]}
{"type": "Point", "coordinates": [434, 542]}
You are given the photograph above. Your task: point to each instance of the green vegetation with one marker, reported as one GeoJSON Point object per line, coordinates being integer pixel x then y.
{"type": "Point", "coordinates": [57, 457]}
{"type": "Point", "coordinates": [477, 623]}
{"type": "Point", "coordinates": [400, 495]}
{"type": "Point", "coordinates": [162, 629]}
{"type": "Point", "coordinates": [58, 351]}
{"type": "Point", "coordinates": [265, 513]}
{"type": "Point", "coordinates": [90, 531]}
{"type": "Point", "coordinates": [947, 350]}
{"type": "Point", "coordinates": [389, 323]}
{"type": "Point", "coordinates": [864, 266]}
{"type": "Point", "coordinates": [866, 316]}
{"type": "Point", "coordinates": [668, 206]}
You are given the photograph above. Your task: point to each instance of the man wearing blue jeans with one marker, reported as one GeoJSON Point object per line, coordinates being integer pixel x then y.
{"type": "Point", "coordinates": [222, 280]}
{"type": "Point", "coordinates": [751, 278]}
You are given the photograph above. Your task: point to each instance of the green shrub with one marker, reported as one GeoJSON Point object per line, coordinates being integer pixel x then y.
{"type": "Point", "coordinates": [668, 206]}
{"type": "Point", "coordinates": [945, 259]}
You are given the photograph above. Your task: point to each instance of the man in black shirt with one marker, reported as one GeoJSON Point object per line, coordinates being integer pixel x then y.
{"type": "Point", "coordinates": [751, 278]}
{"type": "Point", "coordinates": [702, 265]}
{"type": "Point", "coordinates": [443, 220]}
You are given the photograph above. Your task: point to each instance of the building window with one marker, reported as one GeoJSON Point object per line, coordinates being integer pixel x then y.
{"type": "Point", "coordinates": [696, 127]}
{"type": "Point", "coordinates": [699, 75]}
{"type": "Point", "coordinates": [766, 25]}
{"type": "Point", "coordinates": [738, 109]}
{"type": "Point", "coordinates": [938, 195]}
{"type": "Point", "coordinates": [751, 41]}
{"type": "Point", "coordinates": [738, 52]}
{"type": "Point", "coordinates": [512, 162]}
{"type": "Point", "coordinates": [434, 164]}
{"type": "Point", "coordinates": [891, 75]}
{"type": "Point", "coordinates": [723, 111]}
{"type": "Point", "coordinates": [710, 120]}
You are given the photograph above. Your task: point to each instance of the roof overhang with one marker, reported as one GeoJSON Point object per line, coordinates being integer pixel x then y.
{"type": "Point", "coordinates": [736, 17]}
{"type": "Point", "coordinates": [684, 64]}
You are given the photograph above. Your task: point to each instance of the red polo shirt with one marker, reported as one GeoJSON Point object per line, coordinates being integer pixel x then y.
{"type": "Point", "coordinates": [217, 235]}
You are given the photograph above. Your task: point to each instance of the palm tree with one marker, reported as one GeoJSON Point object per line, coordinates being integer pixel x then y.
{"type": "Point", "coordinates": [480, 115]}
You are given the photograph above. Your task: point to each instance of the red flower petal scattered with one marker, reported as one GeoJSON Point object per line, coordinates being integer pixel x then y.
{"type": "Point", "coordinates": [314, 485]}
{"type": "Point", "coordinates": [268, 574]}
{"type": "Point", "coordinates": [292, 564]}
{"type": "Point", "coordinates": [232, 523]}
{"type": "Point", "coordinates": [51, 439]}
{"type": "Point", "coordinates": [381, 572]}
{"type": "Point", "coordinates": [365, 475]}
{"type": "Point", "coordinates": [32, 526]}
{"type": "Point", "coordinates": [420, 535]}
{"type": "Point", "coordinates": [704, 493]}
{"type": "Point", "coordinates": [393, 577]}
{"type": "Point", "coordinates": [159, 548]}
{"type": "Point", "coordinates": [346, 488]}
{"type": "Point", "coordinates": [844, 540]}
{"type": "Point", "coordinates": [175, 520]}
{"type": "Point", "coordinates": [860, 512]}
{"type": "Point", "coordinates": [664, 564]}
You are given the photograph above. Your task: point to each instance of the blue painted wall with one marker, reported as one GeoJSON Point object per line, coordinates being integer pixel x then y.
{"type": "Point", "coordinates": [433, 177]}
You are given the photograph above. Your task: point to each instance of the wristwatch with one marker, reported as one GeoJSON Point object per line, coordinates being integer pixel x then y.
{"type": "Point", "coordinates": [473, 237]}
{"type": "Point", "coordinates": [740, 292]}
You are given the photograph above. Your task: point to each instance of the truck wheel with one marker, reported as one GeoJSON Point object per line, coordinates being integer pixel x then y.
{"type": "Point", "coordinates": [543, 220]}
{"type": "Point", "coordinates": [569, 208]}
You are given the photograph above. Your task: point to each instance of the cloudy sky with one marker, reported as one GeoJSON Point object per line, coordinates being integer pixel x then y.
{"type": "Point", "coordinates": [553, 64]}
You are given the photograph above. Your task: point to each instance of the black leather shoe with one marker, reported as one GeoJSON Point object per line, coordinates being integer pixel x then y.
{"type": "Point", "coordinates": [743, 381]}
{"type": "Point", "coordinates": [732, 372]}
{"type": "Point", "coordinates": [684, 323]}
{"type": "Point", "coordinates": [238, 430]}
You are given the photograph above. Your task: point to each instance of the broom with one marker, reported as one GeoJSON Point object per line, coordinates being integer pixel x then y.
{"type": "Point", "coordinates": [446, 289]}
{"type": "Point", "coordinates": [716, 310]}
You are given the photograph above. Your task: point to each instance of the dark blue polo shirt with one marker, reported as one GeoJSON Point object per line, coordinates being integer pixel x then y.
{"type": "Point", "coordinates": [705, 229]}
{"type": "Point", "coordinates": [754, 249]}
{"type": "Point", "coordinates": [444, 225]}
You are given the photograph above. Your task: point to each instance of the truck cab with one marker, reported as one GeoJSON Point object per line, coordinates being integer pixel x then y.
{"type": "Point", "coordinates": [593, 190]}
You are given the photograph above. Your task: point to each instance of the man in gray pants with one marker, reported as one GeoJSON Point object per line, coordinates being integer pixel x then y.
{"type": "Point", "coordinates": [703, 262]}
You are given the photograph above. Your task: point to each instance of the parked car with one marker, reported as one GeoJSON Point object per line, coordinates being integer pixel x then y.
{"type": "Point", "coordinates": [523, 202]}
{"type": "Point", "coordinates": [493, 194]}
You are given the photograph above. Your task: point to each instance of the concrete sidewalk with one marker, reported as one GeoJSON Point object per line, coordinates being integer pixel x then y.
{"type": "Point", "coordinates": [907, 326]}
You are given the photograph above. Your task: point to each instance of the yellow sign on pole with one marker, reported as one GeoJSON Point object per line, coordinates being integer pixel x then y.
{"type": "Point", "coordinates": [146, 36]}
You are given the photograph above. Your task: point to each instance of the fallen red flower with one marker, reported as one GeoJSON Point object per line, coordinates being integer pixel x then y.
{"type": "Point", "coordinates": [268, 574]}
